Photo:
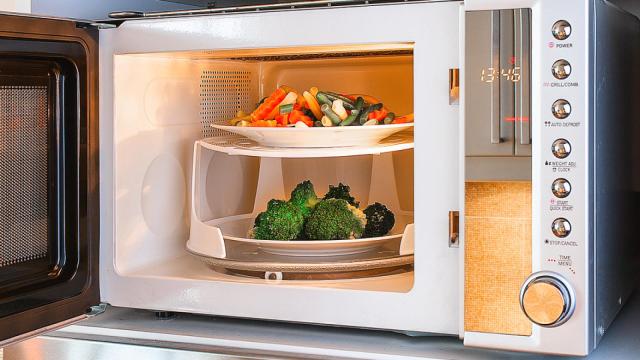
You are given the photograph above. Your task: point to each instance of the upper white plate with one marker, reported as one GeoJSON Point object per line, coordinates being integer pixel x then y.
{"type": "Point", "coordinates": [316, 137]}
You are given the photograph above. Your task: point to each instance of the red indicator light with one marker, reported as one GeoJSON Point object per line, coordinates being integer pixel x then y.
{"type": "Point", "coordinates": [516, 118]}
{"type": "Point", "coordinates": [512, 61]}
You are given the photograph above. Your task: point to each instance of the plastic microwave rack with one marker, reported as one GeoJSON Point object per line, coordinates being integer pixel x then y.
{"type": "Point", "coordinates": [239, 145]}
{"type": "Point", "coordinates": [253, 172]}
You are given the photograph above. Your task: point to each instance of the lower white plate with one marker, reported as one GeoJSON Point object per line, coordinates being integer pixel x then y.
{"type": "Point", "coordinates": [235, 228]}
{"type": "Point", "coordinates": [316, 137]}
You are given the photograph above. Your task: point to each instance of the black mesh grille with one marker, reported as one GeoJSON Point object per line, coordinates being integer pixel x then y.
{"type": "Point", "coordinates": [24, 126]}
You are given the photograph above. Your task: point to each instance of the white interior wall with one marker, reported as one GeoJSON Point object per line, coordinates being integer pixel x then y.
{"type": "Point", "coordinates": [390, 79]}
{"type": "Point", "coordinates": [160, 104]}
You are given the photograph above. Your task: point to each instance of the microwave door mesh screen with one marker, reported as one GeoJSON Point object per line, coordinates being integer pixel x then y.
{"type": "Point", "coordinates": [24, 126]}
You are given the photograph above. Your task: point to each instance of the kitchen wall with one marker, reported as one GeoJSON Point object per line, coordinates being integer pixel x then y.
{"type": "Point", "coordinates": [23, 6]}
{"type": "Point", "coordinates": [97, 9]}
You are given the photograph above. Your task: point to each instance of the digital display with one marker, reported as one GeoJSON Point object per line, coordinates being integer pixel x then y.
{"type": "Point", "coordinates": [491, 74]}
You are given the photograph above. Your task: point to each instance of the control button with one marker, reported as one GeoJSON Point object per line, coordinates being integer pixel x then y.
{"type": "Point", "coordinates": [561, 188]}
{"type": "Point", "coordinates": [561, 227]}
{"type": "Point", "coordinates": [561, 30]}
{"type": "Point", "coordinates": [561, 148]}
{"type": "Point", "coordinates": [547, 299]}
{"type": "Point", "coordinates": [561, 69]}
{"type": "Point", "coordinates": [561, 108]}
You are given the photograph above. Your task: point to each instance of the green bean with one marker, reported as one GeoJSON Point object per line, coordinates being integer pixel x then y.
{"type": "Point", "coordinates": [364, 115]}
{"type": "Point", "coordinates": [323, 99]}
{"type": "Point", "coordinates": [376, 107]}
{"type": "Point", "coordinates": [350, 118]}
{"type": "Point", "coordinates": [348, 103]}
{"type": "Point", "coordinates": [285, 109]}
{"type": "Point", "coordinates": [389, 118]}
{"type": "Point", "coordinates": [326, 109]}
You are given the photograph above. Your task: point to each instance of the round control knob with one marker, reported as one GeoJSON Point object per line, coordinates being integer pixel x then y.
{"type": "Point", "coordinates": [561, 29]}
{"type": "Point", "coordinates": [561, 227]}
{"type": "Point", "coordinates": [561, 69]}
{"type": "Point", "coordinates": [561, 109]}
{"type": "Point", "coordinates": [561, 148]}
{"type": "Point", "coordinates": [561, 188]}
{"type": "Point", "coordinates": [547, 299]}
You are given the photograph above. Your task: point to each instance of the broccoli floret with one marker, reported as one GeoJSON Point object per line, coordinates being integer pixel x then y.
{"type": "Point", "coordinates": [257, 219]}
{"type": "Point", "coordinates": [341, 192]}
{"type": "Point", "coordinates": [304, 197]}
{"type": "Point", "coordinates": [334, 219]}
{"type": "Point", "coordinates": [281, 221]}
{"type": "Point", "coordinates": [380, 220]}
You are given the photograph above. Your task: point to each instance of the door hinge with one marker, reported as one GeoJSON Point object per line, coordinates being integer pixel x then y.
{"type": "Point", "coordinates": [97, 309]}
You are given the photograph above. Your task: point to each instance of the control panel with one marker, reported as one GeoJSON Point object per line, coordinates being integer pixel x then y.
{"type": "Point", "coordinates": [581, 53]}
{"type": "Point", "coordinates": [557, 287]}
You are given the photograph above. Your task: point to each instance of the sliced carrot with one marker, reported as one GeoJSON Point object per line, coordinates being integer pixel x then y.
{"type": "Point", "coordinates": [313, 105]}
{"type": "Point", "coordinates": [288, 89]}
{"type": "Point", "coordinates": [290, 98]}
{"type": "Point", "coordinates": [282, 119]}
{"type": "Point", "coordinates": [264, 123]}
{"type": "Point", "coordinates": [267, 106]}
{"type": "Point", "coordinates": [403, 119]}
{"type": "Point", "coordinates": [378, 115]}
{"type": "Point", "coordinates": [307, 120]}
{"type": "Point", "coordinates": [301, 102]}
{"type": "Point", "coordinates": [294, 116]}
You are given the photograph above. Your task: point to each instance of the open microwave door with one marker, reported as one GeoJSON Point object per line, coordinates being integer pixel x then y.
{"type": "Point", "coordinates": [49, 211]}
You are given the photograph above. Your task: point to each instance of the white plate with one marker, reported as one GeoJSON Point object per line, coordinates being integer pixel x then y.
{"type": "Point", "coordinates": [316, 137]}
{"type": "Point", "coordinates": [235, 228]}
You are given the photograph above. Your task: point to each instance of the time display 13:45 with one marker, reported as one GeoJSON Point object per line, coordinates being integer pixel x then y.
{"type": "Point", "coordinates": [491, 74]}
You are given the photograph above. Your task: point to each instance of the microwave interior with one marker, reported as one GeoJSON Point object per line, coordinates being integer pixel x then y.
{"type": "Point", "coordinates": [166, 102]}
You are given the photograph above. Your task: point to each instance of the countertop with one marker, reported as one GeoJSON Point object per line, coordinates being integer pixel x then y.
{"type": "Point", "coordinates": [128, 334]}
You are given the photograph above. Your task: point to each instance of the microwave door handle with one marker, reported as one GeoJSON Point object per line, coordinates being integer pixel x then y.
{"type": "Point", "coordinates": [495, 85]}
{"type": "Point", "coordinates": [523, 87]}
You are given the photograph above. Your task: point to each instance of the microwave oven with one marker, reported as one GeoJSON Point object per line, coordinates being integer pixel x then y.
{"type": "Point", "coordinates": [514, 194]}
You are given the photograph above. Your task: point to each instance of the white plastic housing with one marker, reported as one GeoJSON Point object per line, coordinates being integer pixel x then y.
{"type": "Point", "coordinates": [249, 182]}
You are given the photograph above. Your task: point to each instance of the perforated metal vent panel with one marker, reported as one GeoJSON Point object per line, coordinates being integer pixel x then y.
{"type": "Point", "coordinates": [222, 94]}
{"type": "Point", "coordinates": [24, 124]}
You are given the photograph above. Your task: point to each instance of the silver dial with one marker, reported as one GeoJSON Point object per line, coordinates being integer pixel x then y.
{"type": "Point", "coordinates": [561, 227]}
{"type": "Point", "coordinates": [547, 299]}
{"type": "Point", "coordinates": [561, 188]}
{"type": "Point", "coordinates": [561, 148]}
{"type": "Point", "coordinates": [561, 29]}
{"type": "Point", "coordinates": [561, 69]}
{"type": "Point", "coordinates": [561, 109]}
